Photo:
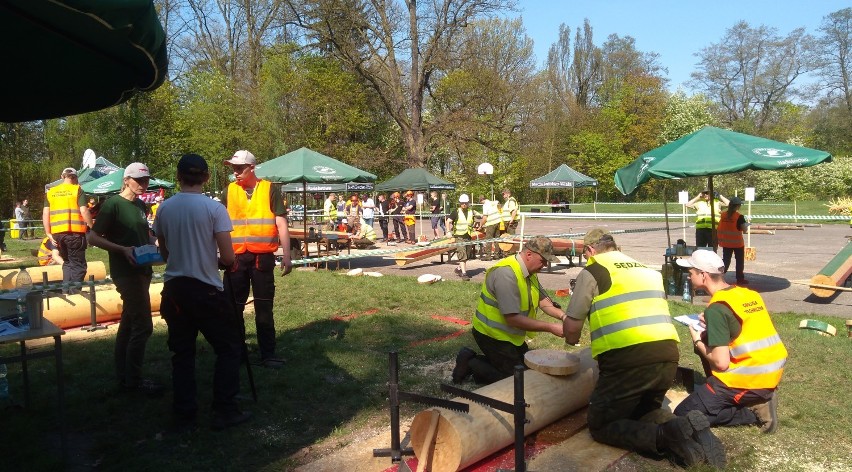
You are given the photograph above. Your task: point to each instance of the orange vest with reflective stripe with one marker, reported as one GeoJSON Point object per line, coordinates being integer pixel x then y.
{"type": "Point", "coordinates": [253, 220]}
{"type": "Point", "coordinates": [727, 232]}
{"type": "Point", "coordinates": [757, 354]}
{"type": "Point", "coordinates": [65, 216]}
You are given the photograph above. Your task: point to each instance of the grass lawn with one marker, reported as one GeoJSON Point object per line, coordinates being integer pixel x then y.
{"type": "Point", "coordinates": [335, 332]}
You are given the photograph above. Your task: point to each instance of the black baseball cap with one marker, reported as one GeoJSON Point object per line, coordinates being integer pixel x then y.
{"type": "Point", "coordinates": [192, 164]}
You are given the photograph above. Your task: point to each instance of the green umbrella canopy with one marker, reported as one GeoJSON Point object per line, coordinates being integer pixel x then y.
{"type": "Point", "coordinates": [714, 151]}
{"type": "Point", "coordinates": [416, 178]}
{"type": "Point", "coordinates": [64, 57]}
{"type": "Point", "coordinates": [111, 183]}
{"type": "Point", "coordinates": [563, 177]}
{"type": "Point", "coordinates": [305, 165]}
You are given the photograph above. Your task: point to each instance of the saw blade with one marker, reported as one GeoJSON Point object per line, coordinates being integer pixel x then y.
{"type": "Point", "coordinates": [439, 402]}
{"type": "Point", "coordinates": [481, 399]}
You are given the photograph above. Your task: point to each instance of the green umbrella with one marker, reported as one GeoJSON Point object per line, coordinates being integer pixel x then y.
{"type": "Point", "coordinates": [111, 183]}
{"type": "Point", "coordinates": [712, 151]}
{"type": "Point", "coordinates": [416, 178]}
{"type": "Point", "coordinates": [306, 166]}
{"type": "Point", "coordinates": [64, 57]}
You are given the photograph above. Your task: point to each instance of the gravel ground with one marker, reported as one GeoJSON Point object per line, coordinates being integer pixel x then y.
{"type": "Point", "coordinates": [786, 256]}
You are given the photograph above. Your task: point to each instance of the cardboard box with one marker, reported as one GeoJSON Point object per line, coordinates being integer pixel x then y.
{"type": "Point", "coordinates": [148, 254]}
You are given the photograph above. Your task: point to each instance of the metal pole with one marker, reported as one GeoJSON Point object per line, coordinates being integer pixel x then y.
{"type": "Point", "coordinates": [520, 417]}
{"type": "Point", "coordinates": [393, 387]}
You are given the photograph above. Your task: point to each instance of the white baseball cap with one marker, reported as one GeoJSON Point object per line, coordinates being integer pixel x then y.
{"type": "Point", "coordinates": [705, 261]}
{"type": "Point", "coordinates": [242, 157]}
{"type": "Point", "coordinates": [137, 170]}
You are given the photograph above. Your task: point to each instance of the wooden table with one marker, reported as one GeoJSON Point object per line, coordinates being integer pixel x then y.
{"type": "Point", "coordinates": [47, 330]}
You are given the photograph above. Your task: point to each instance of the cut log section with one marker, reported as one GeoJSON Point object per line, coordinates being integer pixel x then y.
{"type": "Point", "coordinates": [561, 246]}
{"type": "Point", "coordinates": [54, 274]}
{"type": "Point", "coordinates": [552, 361]}
{"type": "Point", "coordinates": [463, 439]}
{"type": "Point", "coordinates": [834, 274]}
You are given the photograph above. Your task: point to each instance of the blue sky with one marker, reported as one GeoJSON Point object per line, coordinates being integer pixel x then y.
{"type": "Point", "coordinates": [675, 29]}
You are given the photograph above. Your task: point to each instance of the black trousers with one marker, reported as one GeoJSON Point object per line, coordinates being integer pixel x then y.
{"type": "Point", "coordinates": [256, 272]}
{"type": "Point", "coordinates": [498, 359]}
{"type": "Point", "coordinates": [190, 306]}
{"type": "Point", "coordinates": [739, 253]}
{"type": "Point", "coordinates": [72, 249]}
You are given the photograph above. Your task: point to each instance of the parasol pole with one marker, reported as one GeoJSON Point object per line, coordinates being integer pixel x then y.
{"type": "Point", "coordinates": [748, 230]}
{"type": "Point", "coordinates": [712, 213]}
{"type": "Point", "coordinates": [305, 215]}
{"type": "Point", "coordinates": [666, 210]}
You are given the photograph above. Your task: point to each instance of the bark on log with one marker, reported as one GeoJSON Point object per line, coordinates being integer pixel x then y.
{"type": "Point", "coordinates": [54, 274]}
{"type": "Point", "coordinates": [463, 439]}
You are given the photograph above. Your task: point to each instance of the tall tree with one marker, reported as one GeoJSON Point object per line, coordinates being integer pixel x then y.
{"type": "Point", "coordinates": [835, 53]}
{"type": "Point", "coordinates": [751, 71]}
{"type": "Point", "coordinates": [398, 47]}
{"type": "Point", "coordinates": [575, 73]}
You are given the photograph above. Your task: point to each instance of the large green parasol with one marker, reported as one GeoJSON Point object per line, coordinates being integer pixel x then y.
{"type": "Point", "coordinates": [64, 57]}
{"type": "Point", "coordinates": [713, 151]}
{"type": "Point", "coordinates": [111, 183]}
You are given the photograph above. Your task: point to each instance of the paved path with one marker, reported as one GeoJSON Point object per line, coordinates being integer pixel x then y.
{"type": "Point", "coordinates": [786, 256]}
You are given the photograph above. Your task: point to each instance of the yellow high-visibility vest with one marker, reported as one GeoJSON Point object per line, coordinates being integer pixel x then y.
{"type": "Point", "coordinates": [633, 310]}
{"type": "Point", "coordinates": [488, 319]}
{"type": "Point", "coordinates": [65, 216]}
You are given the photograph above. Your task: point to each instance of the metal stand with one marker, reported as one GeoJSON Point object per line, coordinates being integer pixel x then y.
{"type": "Point", "coordinates": [395, 452]}
{"type": "Point", "coordinates": [93, 303]}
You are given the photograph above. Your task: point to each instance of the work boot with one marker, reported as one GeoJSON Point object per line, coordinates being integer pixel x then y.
{"type": "Point", "coordinates": [462, 370]}
{"type": "Point", "coordinates": [767, 414]}
{"type": "Point", "coordinates": [714, 450]}
{"type": "Point", "coordinates": [676, 436]}
{"type": "Point", "coordinates": [226, 420]}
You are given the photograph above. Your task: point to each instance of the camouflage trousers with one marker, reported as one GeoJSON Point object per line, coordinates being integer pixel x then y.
{"type": "Point", "coordinates": [624, 409]}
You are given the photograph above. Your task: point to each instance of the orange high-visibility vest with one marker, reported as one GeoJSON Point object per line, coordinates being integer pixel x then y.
{"type": "Point", "coordinates": [254, 222]}
{"type": "Point", "coordinates": [65, 216]}
{"type": "Point", "coordinates": [757, 354]}
{"type": "Point", "coordinates": [727, 232]}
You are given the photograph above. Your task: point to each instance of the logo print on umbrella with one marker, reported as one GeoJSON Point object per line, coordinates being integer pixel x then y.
{"type": "Point", "coordinates": [771, 152]}
{"type": "Point", "coordinates": [324, 170]}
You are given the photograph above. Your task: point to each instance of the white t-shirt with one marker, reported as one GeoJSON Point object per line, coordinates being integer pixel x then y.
{"type": "Point", "coordinates": [188, 223]}
{"type": "Point", "coordinates": [368, 207]}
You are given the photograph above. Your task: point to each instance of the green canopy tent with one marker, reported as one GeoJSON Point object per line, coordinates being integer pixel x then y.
{"type": "Point", "coordinates": [101, 167]}
{"type": "Point", "coordinates": [713, 151]}
{"type": "Point", "coordinates": [65, 57]}
{"type": "Point", "coordinates": [111, 184]}
{"type": "Point", "coordinates": [416, 178]}
{"type": "Point", "coordinates": [310, 167]}
{"type": "Point", "coordinates": [564, 177]}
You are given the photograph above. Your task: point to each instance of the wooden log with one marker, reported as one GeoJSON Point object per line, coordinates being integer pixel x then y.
{"type": "Point", "coordinates": [561, 246]}
{"type": "Point", "coordinates": [463, 439]}
{"type": "Point", "coordinates": [761, 231]}
{"type": "Point", "coordinates": [778, 227]}
{"type": "Point", "coordinates": [834, 274]}
{"type": "Point", "coordinates": [54, 274]}
{"type": "Point", "coordinates": [406, 257]}
{"type": "Point", "coordinates": [70, 311]}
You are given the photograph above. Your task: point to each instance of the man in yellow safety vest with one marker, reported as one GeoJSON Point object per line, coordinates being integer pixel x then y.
{"type": "Point", "coordinates": [742, 354]}
{"type": "Point", "coordinates": [507, 313]}
{"type": "Point", "coordinates": [635, 344]}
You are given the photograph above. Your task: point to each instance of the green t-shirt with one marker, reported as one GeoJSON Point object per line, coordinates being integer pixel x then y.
{"type": "Point", "coordinates": [123, 222]}
{"type": "Point", "coordinates": [722, 325]}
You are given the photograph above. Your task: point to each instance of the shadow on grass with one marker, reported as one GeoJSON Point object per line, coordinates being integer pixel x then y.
{"type": "Point", "coordinates": [335, 373]}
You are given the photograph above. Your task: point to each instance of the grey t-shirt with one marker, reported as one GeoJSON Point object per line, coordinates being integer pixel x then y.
{"type": "Point", "coordinates": [188, 222]}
